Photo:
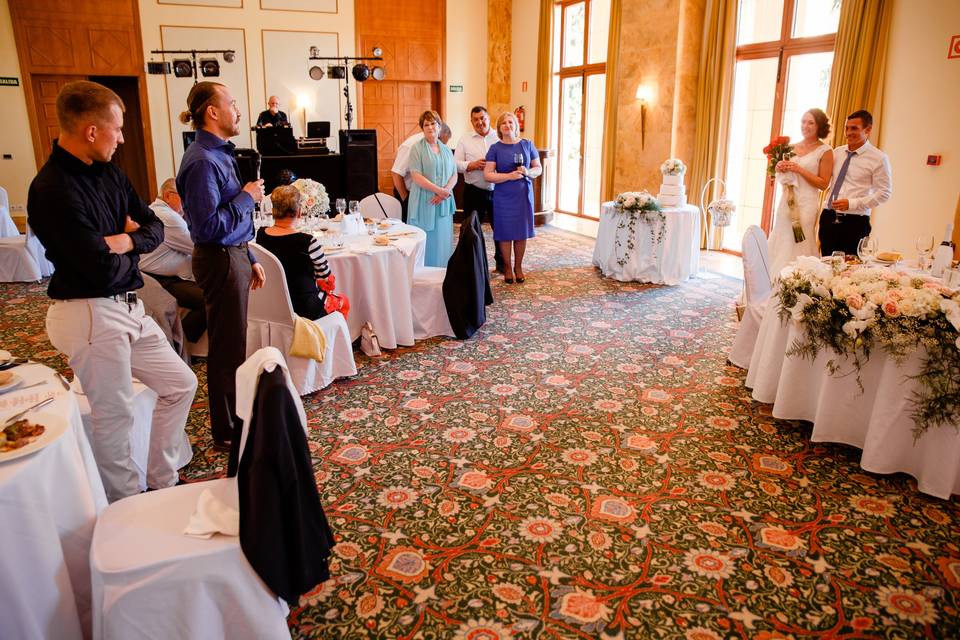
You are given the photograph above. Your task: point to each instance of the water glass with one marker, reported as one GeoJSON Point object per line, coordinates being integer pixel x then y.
{"type": "Point", "coordinates": [866, 248]}
{"type": "Point", "coordinates": [354, 207]}
{"type": "Point", "coordinates": [341, 205]}
{"type": "Point", "coordinates": [836, 260]}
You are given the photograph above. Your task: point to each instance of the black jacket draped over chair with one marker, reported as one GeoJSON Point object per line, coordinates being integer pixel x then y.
{"type": "Point", "coordinates": [466, 287]}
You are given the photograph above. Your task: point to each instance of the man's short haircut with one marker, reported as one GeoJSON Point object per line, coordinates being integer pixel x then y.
{"type": "Point", "coordinates": [168, 186]}
{"type": "Point", "coordinates": [84, 99]}
{"type": "Point", "coordinates": [479, 109]}
{"type": "Point", "coordinates": [286, 201]}
{"type": "Point", "coordinates": [865, 117]}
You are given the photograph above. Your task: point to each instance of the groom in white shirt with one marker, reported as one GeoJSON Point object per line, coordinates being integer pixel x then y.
{"type": "Point", "coordinates": [471, 156]}
{"type": "Point", "coordinates": [861, 182]}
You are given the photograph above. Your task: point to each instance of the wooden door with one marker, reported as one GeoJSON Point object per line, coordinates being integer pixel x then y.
{"type": "Point", "coordinates": [393, 109]}
{"type": "Point", "coordinates": [132, 154]}
{"type": "Point", "coordinates": [45, 90]}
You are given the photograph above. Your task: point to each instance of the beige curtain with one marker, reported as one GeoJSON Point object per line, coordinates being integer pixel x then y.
{"type": "Point", "coordinates": [714, 87]}
{"type": "Point", "coordinates": [541, 121]}
{"type": "Point", "coordinates": [608, 161]}
{"type": "Point", "coordinates": [859, 63]}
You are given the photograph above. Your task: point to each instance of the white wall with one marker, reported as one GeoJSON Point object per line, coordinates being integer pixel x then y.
{"type": "Point", "coordinates": [466, 63]}
{"type": "Point", "coordinates": [526, 27]}
{"type": "Point", "coordinates": [16, 173]}
{"type": "Point", "coordinates": [921, 112]}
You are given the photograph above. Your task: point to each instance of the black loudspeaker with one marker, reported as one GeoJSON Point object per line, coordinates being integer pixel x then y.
{"type": "Point", "coordinates": [359, 150]}
{"type": "Point", "coordinates": [248, 163]}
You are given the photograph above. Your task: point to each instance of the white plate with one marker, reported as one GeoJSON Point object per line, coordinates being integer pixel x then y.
{"type": "Point", "coordinates": [15, 382]}
{"type": "Point", "coordinates": [332, 249]}
{"type": "Point", "coordinates": [4, 356]}
{"type": "Point", "coordinates": [55, 427]}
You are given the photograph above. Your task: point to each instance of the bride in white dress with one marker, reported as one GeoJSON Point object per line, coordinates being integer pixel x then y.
{"type": "Point", "coordinates": [813, 166]}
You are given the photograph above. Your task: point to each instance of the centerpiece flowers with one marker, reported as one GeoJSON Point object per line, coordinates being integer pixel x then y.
{"type": "Point", "coordinates": [633, 206]}
{"type": "Point", "coordinates": [314, 200]}
{"type": "Point", "coordinates": [781, 149]}
{"type": "Point", "coordinates": [721, 211]}
{"type": "Point", "coordinates": [673, 167]}
{"type": "Point", "coordinates": [862, 308]}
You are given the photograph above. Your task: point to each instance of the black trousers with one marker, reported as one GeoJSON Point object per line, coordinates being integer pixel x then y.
{"type": "Point", "coordinates": [189, 295]}
{"type": "Point", "coordinates": [844, 236]}
{"type": "Point", "coordinates": [481, 201]}
{"type": "Point", "coordinates": [224, 275]}
{"type": "Point", "coordinates": [403, 204]}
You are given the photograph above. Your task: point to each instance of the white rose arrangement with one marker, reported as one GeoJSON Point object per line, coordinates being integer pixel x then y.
{"type": "Point", "coordinates": [634, 205]}
{"type": "Point", "coordinates": [314, 200]}
{"type": "Point", "coordinates": [722, 210]}
{"type": "Point", "coordinates": [673, 167]}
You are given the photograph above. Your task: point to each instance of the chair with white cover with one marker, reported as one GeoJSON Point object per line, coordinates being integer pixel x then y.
{"type": "Point", "coordinates": [17, 262]}
{"type": "Point", "coordinates": [7, 228]}
{"type": "Point", "coordinates": [270, 323]}
{"type": "Point", "coordinates": [756, 292]}
{"type": "Point", "coordinates": [426, 299]}
{"type": "Point", "coordinates": [380, 205]}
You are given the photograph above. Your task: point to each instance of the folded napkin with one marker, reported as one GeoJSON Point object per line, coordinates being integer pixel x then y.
{"type": "Point", "coordinates": [218, 508]}
{"type": "Point", "coordinates": [353, 224]}
{"type": "Point", "coordinates": [308, 340]}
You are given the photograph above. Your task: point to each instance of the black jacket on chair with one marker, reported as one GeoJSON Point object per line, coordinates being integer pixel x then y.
{"type": "Point", "coordinates": [284, 533]}
{"type": "Point", "coordinates": [466, 287]}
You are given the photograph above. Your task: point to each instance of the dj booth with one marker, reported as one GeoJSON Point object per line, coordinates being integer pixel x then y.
{"type": "Point", "coordinates": [350, 174]}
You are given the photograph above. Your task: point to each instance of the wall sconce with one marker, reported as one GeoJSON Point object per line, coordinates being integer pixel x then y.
{"type": "Point", "coordinates": [645, 96]}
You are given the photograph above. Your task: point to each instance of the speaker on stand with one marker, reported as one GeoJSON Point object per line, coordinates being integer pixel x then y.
{"type": "Point", "coordinates": [359, 150]}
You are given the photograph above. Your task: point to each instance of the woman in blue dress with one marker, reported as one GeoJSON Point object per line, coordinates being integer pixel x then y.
{"type": "Point", "coordinates": [512, 164]}
{"type": "Point", "coordinates": [430, 205]}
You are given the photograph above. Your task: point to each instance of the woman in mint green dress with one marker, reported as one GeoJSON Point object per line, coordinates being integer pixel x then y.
{"type": "Point", "coordinates": [431, 205]}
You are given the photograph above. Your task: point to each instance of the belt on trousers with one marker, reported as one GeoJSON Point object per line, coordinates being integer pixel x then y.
{"type": "Point", "coordinates": [127, 297]}
{"type": "Point", "coordinates": [242, 245]}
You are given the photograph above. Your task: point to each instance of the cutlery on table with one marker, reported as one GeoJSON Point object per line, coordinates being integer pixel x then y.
{"type": "Point", "coordinates": [9, 421]}
{"type": "Point", "coordinates": [35, 384]}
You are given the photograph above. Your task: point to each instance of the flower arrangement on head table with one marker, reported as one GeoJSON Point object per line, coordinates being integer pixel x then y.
{"type": "Point", "coordinates": [852, 312]}
{"type": "Point", "coordinates": [314, 200]}
{"type": "Point", "coordinates": [673, 167]}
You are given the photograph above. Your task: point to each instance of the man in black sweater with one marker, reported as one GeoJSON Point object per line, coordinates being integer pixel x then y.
{"type": "Point", "coordinates": [94, 227]}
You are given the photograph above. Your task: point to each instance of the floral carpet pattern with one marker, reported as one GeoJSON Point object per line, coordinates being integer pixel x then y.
{"type": "Point", "coordinates": [589, 465]}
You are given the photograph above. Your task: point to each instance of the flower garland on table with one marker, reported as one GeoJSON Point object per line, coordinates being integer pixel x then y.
{"type": "Point", "coordinates": [862, 308]}
{"type": "Point", "coordinates": [634, 205]}
{"type": "Point", "coordinates": [673, 167]}
{"type": "Point", "coordinates": [314, 200]}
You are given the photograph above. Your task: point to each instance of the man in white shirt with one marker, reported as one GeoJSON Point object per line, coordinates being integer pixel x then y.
{"type": "Point", "coordinates": [861, 182]}
{"type": "Point", "coordinates": [171, 263]}
{"type": "Point", "coordinates": [471, 157]}
{"type": "Point", "coordinates": [400, 172]}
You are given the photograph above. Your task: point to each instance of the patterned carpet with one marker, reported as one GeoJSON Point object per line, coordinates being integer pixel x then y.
{"type": "Point", "coordinates": [589, 466]}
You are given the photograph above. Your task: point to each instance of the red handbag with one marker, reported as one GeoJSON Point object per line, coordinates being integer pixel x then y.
{"type": "Point", "coordinates": [332, 301]}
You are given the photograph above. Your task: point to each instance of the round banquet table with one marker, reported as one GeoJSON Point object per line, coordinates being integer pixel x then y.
{"type": "Point", "coordinates": [378, 279]}
{"type": "Point", "coordinates": [671, 261]}
{"type": "Point", "coordinates": [878, 420]}
{"type": "Point", "coordinates": [49, 502]}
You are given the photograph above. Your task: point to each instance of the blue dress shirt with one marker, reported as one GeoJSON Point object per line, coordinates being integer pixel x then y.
{"type": "Point", "coordinates": [217, 209]}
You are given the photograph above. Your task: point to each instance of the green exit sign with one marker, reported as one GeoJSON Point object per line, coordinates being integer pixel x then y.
{"type": "Point", "coordinates": [456, 88]}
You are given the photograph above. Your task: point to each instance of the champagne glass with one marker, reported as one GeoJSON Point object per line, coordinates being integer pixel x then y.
{"type": "Point", "coordinates": [354, 207]}
{"type": "Point", "coordinates": [924, 247]}
{"type": "Point", "coordinates": [341, 206]}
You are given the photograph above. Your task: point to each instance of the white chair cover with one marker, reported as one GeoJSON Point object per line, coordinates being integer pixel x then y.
{"type": "Point", "coordinates": [380, 205]}
{"type": "Point", "coordinates": [39, 254]}
{"type": "Point", "coordinates": [756, 291]}
{"type": "Point", "coordinates": [16, 262]}
{"type": "Point", "coordinates": [152, 581]}
{"type": "Point", "coordinates": [429, 311]}
{"type": "Point", "coordinates": [270, 322]}
{"type": "Point", "coordinates": [7, 228]}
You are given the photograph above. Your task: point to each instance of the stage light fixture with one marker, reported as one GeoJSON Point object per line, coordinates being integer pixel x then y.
{"type": "Point", "coordinates": [182, 68]}
{"type": "Point", "coordinates": [337, 72]}
{"type": "Point", "coordinates": [360, 72]}
{"type": "Point", "coordinates": [158, 68]}
{"type": "Point", "coordinates": [209, 67]}
{"type": "Point", "coordinates": [378, 73]}
{"type": "Point", "coordinates": [316, 73]}
{"type": "Point", "coordinates": [229, 56]}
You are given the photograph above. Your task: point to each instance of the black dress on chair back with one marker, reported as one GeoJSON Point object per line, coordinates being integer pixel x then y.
{"type": "Point", "coordinates": [284, 533]}
{"type": "Point", "coordinates": [466, 287]}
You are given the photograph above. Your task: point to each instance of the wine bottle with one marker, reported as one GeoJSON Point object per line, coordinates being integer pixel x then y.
{"type": "Point", "coordinates": [943, 256]}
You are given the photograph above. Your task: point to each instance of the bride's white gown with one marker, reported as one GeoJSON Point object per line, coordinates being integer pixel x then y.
{"type": "Point", "coordinates": [783, 250]}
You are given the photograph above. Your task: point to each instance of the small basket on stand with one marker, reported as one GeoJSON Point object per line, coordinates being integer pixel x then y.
{"type": "Point", "coordinates": [721, 209]}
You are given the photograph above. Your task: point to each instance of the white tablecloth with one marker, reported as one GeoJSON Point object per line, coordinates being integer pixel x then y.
{"type": "Point", "coordinates": [671, 261]}
{"type": "Point", "coordinates": [49, 502]}
{"type": "Point", "coordinates": [378, 281]}
{"type": "Point", "coordinates": [876, 421]}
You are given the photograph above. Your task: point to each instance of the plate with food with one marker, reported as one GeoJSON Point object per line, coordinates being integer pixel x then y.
{"type": "Point", "coordinates": [889, 257]}
{"type": "Point", "coordinates": [9, 381]}
{"type": "Point", "coordinates": [32, 433]}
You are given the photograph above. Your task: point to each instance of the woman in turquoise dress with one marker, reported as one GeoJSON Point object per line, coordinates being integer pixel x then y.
{"type": "Point", "coordinates": [431, 205]}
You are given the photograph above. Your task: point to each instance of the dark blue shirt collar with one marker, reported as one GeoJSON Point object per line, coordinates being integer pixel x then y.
{"type": "Point", "coordinates": [210, 141]}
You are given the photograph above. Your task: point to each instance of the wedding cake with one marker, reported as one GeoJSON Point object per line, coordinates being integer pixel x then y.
{"type": "Point", "coordinates": [673, 193]}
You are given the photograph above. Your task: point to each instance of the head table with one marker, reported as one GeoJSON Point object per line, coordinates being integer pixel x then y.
{"type": "Point", "coordinates": [49, 501]}
{"type": "Point", "coordinates": [639, 255]}
{"type": "Point", "coordinates": [876, 420]}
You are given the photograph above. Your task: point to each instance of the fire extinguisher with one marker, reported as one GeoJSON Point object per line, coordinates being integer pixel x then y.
{"type": "Point", "coordinates": [521, 114]}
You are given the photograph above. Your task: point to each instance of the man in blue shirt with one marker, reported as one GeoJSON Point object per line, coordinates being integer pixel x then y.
{"type": "Point", "coordinates": [219, 212]}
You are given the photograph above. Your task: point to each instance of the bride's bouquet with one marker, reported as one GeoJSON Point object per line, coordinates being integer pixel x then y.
{"type": "Point", "coordinates": [781, 149]}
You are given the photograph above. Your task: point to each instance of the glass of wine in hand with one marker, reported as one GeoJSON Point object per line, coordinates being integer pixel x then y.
{"type": "Point", "coordinates": [519, 161]}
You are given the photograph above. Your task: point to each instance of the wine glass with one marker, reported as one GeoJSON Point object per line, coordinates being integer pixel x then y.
{"type": "Point", "coordinates": [354, 207]}
{"type": "Point", "coordinates": [924, 247]}
{"type": "Point", "coordinates": [341, 206]}
{"type": "Point", "coordinates": [866, 248]}
{"type": "Point", "coordinates": [836, 259]}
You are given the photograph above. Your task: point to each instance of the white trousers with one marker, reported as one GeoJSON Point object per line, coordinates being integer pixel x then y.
{"type": "Point", "coordinates": [108, 343]}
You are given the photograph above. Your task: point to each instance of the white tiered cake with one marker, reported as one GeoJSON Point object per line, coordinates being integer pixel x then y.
{"type": "Point", "coordinates": [673, 193]}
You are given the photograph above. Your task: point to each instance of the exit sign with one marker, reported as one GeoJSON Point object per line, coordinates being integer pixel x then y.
{"type": "Point", "coordinates": [456, 88]}
{"type": "Point", "coordinates": [9, 82]}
